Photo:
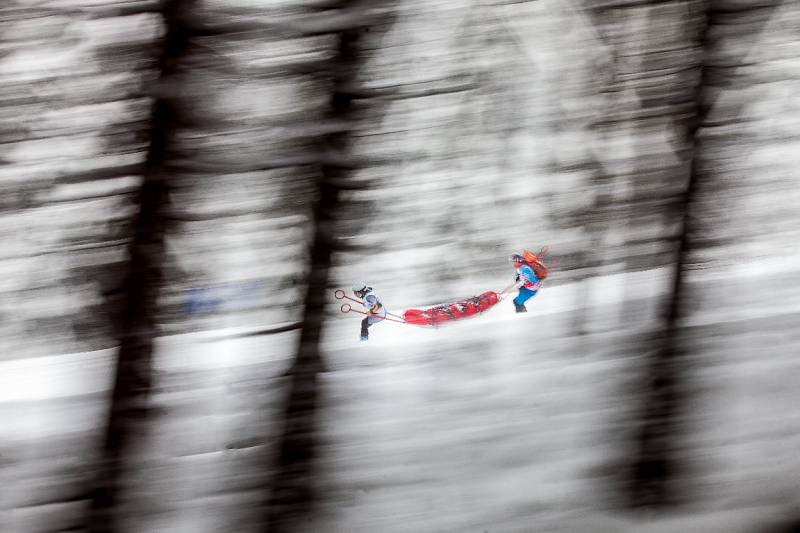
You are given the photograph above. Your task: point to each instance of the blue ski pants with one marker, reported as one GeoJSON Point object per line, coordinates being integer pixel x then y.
{"type": "Point", "coordinates": [524, 295]}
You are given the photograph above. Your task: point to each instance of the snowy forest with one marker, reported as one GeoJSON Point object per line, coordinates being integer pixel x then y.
{"type": "Point", "coordinates": [185, 183]}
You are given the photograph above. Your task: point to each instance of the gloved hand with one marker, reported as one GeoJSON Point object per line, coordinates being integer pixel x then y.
{"type": "Point", "coordinates": [517, 279]}
{"type": "Point", "coordinates": [375, 308]}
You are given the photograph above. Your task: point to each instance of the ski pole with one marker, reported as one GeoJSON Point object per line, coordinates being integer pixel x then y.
{"type": "Point", "coordinates": [340, 294]}
{"type": "Point", "coordinates": [347, 308]}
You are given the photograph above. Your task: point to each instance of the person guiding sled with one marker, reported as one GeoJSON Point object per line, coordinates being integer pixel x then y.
{"type": "Point", "coordinates": [531, 271]}
{"type": "Point", "coordinates": [373, 304]}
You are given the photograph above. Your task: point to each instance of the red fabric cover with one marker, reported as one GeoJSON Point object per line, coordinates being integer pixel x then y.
{"type": "Point", "coordinates": [453, 311]}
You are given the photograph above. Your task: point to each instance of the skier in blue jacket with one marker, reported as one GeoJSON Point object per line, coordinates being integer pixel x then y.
{"type": "Point", "coordinates": [530, 283]}
{"type": "Point", "coordinates": [375, 308]}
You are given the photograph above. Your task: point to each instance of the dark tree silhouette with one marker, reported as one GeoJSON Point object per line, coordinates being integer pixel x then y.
{"type": "Point", "coordinates": [135, 323]}
{"type": "Point", "coordinates": [666, 394]}
{"type": "Point", "coordinates": [292, 492]}
{"type": "Point", "coordinates": [293, 495]}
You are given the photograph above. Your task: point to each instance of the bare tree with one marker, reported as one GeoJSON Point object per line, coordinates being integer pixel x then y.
{"type": "Point", "coordinates": [135, 324]}
{"type": "Point", "coordinates": [292, 494]}
{"type": "Point", "coordinates": [667, 393]}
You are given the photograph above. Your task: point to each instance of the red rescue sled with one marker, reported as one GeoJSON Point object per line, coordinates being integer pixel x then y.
{"type": "Point", "coordinates": [453, 311]}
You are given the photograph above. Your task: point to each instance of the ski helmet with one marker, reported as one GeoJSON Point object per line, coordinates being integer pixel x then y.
{"type": "Point", "coordinates": [359, 286]}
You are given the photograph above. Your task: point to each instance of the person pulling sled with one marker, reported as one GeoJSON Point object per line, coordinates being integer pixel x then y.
{"type": "Point", "coordinates": [531, 271]}
{"type": "Point", "coordinates": [370, 300]}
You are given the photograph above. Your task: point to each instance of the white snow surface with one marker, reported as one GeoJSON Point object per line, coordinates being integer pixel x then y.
{"type": "Point", "coordinates": [487, 423]}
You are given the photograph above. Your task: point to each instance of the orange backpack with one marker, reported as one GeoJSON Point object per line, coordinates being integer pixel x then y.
{"type": "Point", "coordinates": [539, 268]}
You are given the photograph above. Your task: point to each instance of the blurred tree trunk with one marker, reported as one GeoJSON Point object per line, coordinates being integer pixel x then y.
{"type": "Point", "coordinates": [658, 465]}
{"type": "Point", "coordinates": [135, 325]}
{"type": "Point", "coordinates": [292, 491]}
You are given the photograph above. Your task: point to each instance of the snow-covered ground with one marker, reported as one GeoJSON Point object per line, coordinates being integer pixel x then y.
{"type": "Point", "coordinates": [502, 422]}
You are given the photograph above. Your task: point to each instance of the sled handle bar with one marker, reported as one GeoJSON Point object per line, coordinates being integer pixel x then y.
{"type": "Point", "coordinates": [341, 295]}
{"type": "Point", "coordinates": [347, 308]}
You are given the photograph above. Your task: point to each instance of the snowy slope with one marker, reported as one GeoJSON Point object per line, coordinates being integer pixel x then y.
{"type": "Point", "coordinates": [502, 422]}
